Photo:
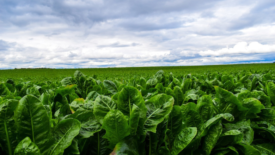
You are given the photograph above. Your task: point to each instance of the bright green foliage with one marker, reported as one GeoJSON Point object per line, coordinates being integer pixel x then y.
{"type": "Point", "coordinates": [178, 95]}
{"type": "Point", "coordinates": [129, 146]}
{"type": "Point", "coordinates": [212, 137]}
{"type": "Point", "coordinates": [226, 102]}
{"type": "Point", "coordinates": [110, 86]}
{"type": "Point", "coordinates": [89, 124]}
{"type": "Point", "coordinates": [7, 129]}
{"type": "Point", "coordinates": [134, 119]}
{"type": "Point", "coordinates": [271, 91]}
{"type": "Point", "coordinates": [26, 147]}
{"type": "Point", "coordinates": [4, 90]}
{"type": "Point", "coordinates": [102, 106]}
{"type": "Point", "coordinates": [183, 139]}
{"type": "Point", "coordinates": [116, 126]}
{"type": "Point", "coordinates": [204, 113]}
{"type": "Point", "coordinates": [129, 96]}
{"type": "Point", "coordinates": [244, 127]}
{"type": "Point", "coordinates": [64, 133]}
{"type": "Point", "coordinates": [158, 107]}
{"type": "Point", "coordinates": [174, 123]}
{"type": "Point", "coordinates": [247, 149]}
{"type": "Point", "coordinates": [230, 137]}
{"type": "Point", "coordinates": [205, 107]}
{"type": "Point", "coordinates": [32, 120]}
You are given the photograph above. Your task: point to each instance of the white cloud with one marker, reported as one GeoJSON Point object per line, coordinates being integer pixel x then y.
{"type": "Point", "coordinates": [241, 48]}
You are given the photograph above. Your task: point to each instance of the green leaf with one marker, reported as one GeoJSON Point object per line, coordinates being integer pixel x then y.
{"type": "Point", "coordinates": [244, 127]}
{"type": "Point", "coordinates": [32, 121]}
{"type": "Point", "coordinates": [178, 95]}
{"type": "Point", "coordinates": [142, 82]}
{"type": "Point", "coordinates": [78, 75]}
{"type": "Point", "coordinates": [77, 103]}
{"type": "Point", "coordinates": [7, 128]}
{"type": "Point", "coordinates": [227, 102]}
{"type": "Point", "coordinates": [169, 91]}
{"type": "Point", "coordinates": [191, 95]}
{"type": "Point", "coordinates": [230, 137]}
{"type": "Point", "coordinates": [89, 125]}
{"type": "Point", "coordinates": [26, 147]}
{"type": "Point", "coordinates": [128, 146]}
{"type": "Point", "coordinates": [10, 81]}
{"type": "Point", "coordinates": [191, 117]}
{"type": "Point", "coordinates": [45, 99]}
{"type": "Point", "coordinates": [110, 86]}
{"type": "Point", "coordinates": [267, 124]}
{"type": "Point", "coordinates": [262, 97]}
{"type": "Point", "coordinates": [176, 82]}
{"type": "Point", "coordinates": [175, 123]}
{"type": "Point", "coordinates": [243, 95]}
{"type": "Point", "coordinates": [66, 90]}
{"type": "Point", "coordinates": [160, 88]}
{"type": "Point", "coordinates": [92, 96]}
{"type": "Point", "coordinates": [265, 133]}
{"type": "Point", "coordinates": [230, 150]}
{"type": "Point", "coordinates": [183, 139]}
{"type": "Point", "coordinates": [205, 107]}
{"type": "Point", "coordinates": [253, 106]}
{"type": "Point", "coordinates": [67, 81]}
{"type": "Point", "coordinates": [265, 149]}
{"type": "Point", "coordinates": [64, 133]}
{"type": "Point", "coordinates": [212, 137]}
{"type": "Point", "coordinates": [268, 113]}
{"type": "Point", "coordinates": [73, 148]}
{"type": "Point", "coordinates": [4, 90]}
{"type": "Point", "coordinates": [116, 126]}
{"type": "Point", "coordinates": [247, 149]}
{"type": "Point", "coordinates": [153, 143]}
{"type": "Point", "coordinates": [218, 117]}
{"type": "Point", "coordinates": [161, 137]}
{"type": "Point", "coordinates": [129, 96]}
{"type": "Point", "coordinates": [158, 107]}
{"type": "Point", "coordinates": [271, 91]}
{"type": "Point", "coordinates": [33, 91]}
{"type": "Point", "coordinates": [134, 119]}
{"type": "Point", "coordinates": [95, 145]}
{"type": "Point", "coordinates": [102, 106]}
{"type": "Point", "coordinates": [151, 82]}
{"type": "Point", "coordinates": [186, 84]}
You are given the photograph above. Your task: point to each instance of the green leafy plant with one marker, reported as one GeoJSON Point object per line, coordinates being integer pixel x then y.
{"type": "Point", "coordinates": [212, 113]}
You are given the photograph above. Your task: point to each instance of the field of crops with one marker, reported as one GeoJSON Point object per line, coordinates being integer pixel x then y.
{"type": "Point", "coordinates": [36, 75]}
{"type": "Point", "coordinates": [214, 111]}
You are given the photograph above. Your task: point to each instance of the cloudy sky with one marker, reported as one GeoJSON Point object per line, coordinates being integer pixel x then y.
{"type": "Point", "coordinates": [119, 33]}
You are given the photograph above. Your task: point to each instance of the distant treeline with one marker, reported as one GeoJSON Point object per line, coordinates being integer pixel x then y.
{"type": "Point", "coordinates": [35, 68]}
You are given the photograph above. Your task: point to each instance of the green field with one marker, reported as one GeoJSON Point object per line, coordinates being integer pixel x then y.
{"type": "Point", "coordinates": [112, 73]}
{"type": "Point", "coordinates": [196, 110]}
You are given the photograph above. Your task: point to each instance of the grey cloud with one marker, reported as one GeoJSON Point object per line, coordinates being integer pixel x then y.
{"type": "Point", "coordinates": [23, 12]}
{"type": "Point", "coordinates": [4, 46]}
{"type": "Point", "coordinates": [154, 23]}
{"type": "Point", "coordinates": [117, 44]}
{"type": "Point", "coordinates": [261, 13]}
{"type": "Point", "coordinates": [77, 33]}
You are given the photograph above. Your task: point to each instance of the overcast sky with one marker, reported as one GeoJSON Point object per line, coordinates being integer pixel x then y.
{"type": "Point", "coordinates": [119, 33]}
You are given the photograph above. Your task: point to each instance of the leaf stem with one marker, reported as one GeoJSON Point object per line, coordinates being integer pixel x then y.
{"type": "Point", "coordinates": [98, 144]}
{"type": "Point", "coordinates": [150, 148]}
{"type": "Point", "coordinates": [8, 139]}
